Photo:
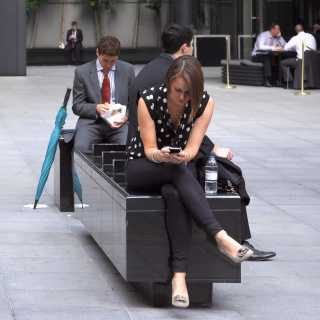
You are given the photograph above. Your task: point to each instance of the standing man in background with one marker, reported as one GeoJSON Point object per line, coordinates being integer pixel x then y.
{"type": "Point", "coordinates": [268, 42]}
{"type": "Point", "coordinates": [74, 43]}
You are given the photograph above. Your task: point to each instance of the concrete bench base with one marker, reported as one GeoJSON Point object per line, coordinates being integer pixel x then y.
{"type": "Point", "coordinates": [130, 229]}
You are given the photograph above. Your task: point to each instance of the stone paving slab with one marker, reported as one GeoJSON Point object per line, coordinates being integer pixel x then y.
{"type": "Point", "coordinates": [51, 268]}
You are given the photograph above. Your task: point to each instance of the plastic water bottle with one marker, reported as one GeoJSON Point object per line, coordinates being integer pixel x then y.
{"type": "Point", "coordinates": [211, 176]}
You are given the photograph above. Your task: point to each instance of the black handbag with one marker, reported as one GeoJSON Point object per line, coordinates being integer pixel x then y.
{"type": "Point", "coordinates": [229, 176]}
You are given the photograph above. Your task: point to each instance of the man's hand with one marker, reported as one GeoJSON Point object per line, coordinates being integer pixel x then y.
{"type": "Point", "coordinates": [223, 152]}
{"type": "Point", "coordinates": [102, 108]}
{"type": "Point", "coordinates": [277, 49]}
{"type": "Point", "coordinates": [117, 125]}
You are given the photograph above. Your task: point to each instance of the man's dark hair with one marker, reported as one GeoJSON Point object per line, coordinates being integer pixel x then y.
{"type": "Point", "coordinates": [73, 23]}
{"type": "Point", "coordinates": [174, 36]}
{"type": "Point", "coordinates": [109, 45]}
{"type": "Point", "coordinates": [274, 25]}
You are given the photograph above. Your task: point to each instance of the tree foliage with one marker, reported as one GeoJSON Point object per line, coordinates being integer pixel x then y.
{"type": "Point", "coordinates": [98, 4]}
{"type": "Point", "coordinates": [154, 5]}
{"type": "Point", "coordinates": [108, 4]}
{"type": "Point", "coordinates": [32, 5]}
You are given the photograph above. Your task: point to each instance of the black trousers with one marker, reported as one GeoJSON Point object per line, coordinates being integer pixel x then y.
{"type": "Point", "coordinates": [184, 197]}
{"type": "Point", "coordinates": [266, 59]}
{"type": "Point", "coordinates": [74, 53]}
{"type": "Point", "coordinates": [87, 134]}
{"type": "Point", "coordinates": [290, 63]}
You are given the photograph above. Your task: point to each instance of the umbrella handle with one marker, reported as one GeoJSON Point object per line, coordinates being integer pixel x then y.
{"type": "Point", "coordinates": [66, 98]}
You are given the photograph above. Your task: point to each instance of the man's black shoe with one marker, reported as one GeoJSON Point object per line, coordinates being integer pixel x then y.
{"type": "Point", "coordinates": [267, 84]}
{"type": "Point", "coordinates": [258, 255]}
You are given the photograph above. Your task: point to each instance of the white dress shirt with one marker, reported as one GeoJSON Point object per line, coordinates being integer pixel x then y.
{"type": "Point", "coordinates": [111, 75]}
{"type": "Point", "coordinates": [266, 42]}
{"type": "Point", "coordinates": [295, 43]}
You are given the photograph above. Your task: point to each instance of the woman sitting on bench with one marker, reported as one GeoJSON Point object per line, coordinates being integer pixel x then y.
{"type": "Point", "coordinates": [173, 120]}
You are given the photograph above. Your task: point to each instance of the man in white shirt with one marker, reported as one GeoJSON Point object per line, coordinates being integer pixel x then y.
{"type": "Point", "coordinates": [295, 44]}
{"type": "Point", "coordinates": [268, 42]}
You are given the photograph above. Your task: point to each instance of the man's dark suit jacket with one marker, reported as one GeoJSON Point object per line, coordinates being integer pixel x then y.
{"type": "Point", "coordinates": [152, 74]}
{"type": "Point", "coordinates": [79, 38]}
{"type": "Point", "coordinates": [317, 36]}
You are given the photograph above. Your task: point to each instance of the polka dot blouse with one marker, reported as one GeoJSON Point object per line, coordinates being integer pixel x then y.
{"type": "Point", "coordinates": [167, 134]}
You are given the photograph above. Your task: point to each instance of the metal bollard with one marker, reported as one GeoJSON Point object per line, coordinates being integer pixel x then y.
{"type": "Point", "coordinates": [228, 57]}
{"type": "Point", "coordinates": [302, 92]}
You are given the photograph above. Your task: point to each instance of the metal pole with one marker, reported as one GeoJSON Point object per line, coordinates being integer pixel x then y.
{"type": "Point", "coordinates": [302, 92]}
{"type": "Point", "coordinates": [228, 53]}
{"type": "Point", "coordinates": [182, 12]}
{"type": "Point", "coordinates": [244, 36]}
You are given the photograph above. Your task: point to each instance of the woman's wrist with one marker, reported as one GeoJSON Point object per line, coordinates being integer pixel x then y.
{"type": "Point", "coordinates": [188, 155]}
{"type": "Point", "coordinates": [154, 156]}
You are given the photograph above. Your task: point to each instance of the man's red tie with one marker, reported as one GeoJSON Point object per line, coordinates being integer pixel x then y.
{"type": "Point", "coordinates": [105, 90]}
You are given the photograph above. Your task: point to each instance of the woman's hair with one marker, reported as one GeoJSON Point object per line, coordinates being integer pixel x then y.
{"type": "Point", "coordinates": [189, 68]}
{"type": "Point", "coordinates": [109, 45]}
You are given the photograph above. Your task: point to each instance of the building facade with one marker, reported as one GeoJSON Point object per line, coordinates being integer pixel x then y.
{"type": "Point", "coordinates": [138, 26]}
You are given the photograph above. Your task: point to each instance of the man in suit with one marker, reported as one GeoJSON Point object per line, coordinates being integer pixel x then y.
{"type": "Point", "coordinates": [176, 42]}
{"type": "Point", "coordinates": [74, 43]}
{"type": "Point", "coordinates": [97, 84]}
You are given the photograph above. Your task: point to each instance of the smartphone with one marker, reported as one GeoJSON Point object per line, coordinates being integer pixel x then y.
{"type": "Point", "coordinates": [174, 149]}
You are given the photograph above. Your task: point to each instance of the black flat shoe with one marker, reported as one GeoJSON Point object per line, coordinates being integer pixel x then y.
{"type": "Point", "coordinates": [258, 255]}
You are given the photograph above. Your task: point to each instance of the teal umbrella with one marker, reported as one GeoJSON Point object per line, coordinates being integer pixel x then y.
{"type": "Point", "coordinates": [77, 186]}
{"type": "Point", "coordinates": [52, 147]}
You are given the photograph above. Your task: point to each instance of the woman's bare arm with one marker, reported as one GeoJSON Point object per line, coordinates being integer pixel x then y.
{"type": "Point", "coordinates": [199, 130]}
{"type": "Point", "coordinates": [147, 129]}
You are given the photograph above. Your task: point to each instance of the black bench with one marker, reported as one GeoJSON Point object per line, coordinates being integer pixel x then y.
{"type": "Point", "coordinates": [130, 229]}
{"type": "Point", "coordinates": [63, 181]}
{"type": "Point", "coordinates": [243, 72]}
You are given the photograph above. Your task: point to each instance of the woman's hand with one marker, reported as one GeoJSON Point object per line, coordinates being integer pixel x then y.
{"type": "Point", "coordinates": [165, 156]}
{"type": "Point", "coordinates": [181, 157]}
{"type": "Point", "coordinates": [162, 155]}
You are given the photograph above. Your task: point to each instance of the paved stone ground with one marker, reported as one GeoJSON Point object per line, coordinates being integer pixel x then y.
{"type": "Point", "coordinates": [51, 269]}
